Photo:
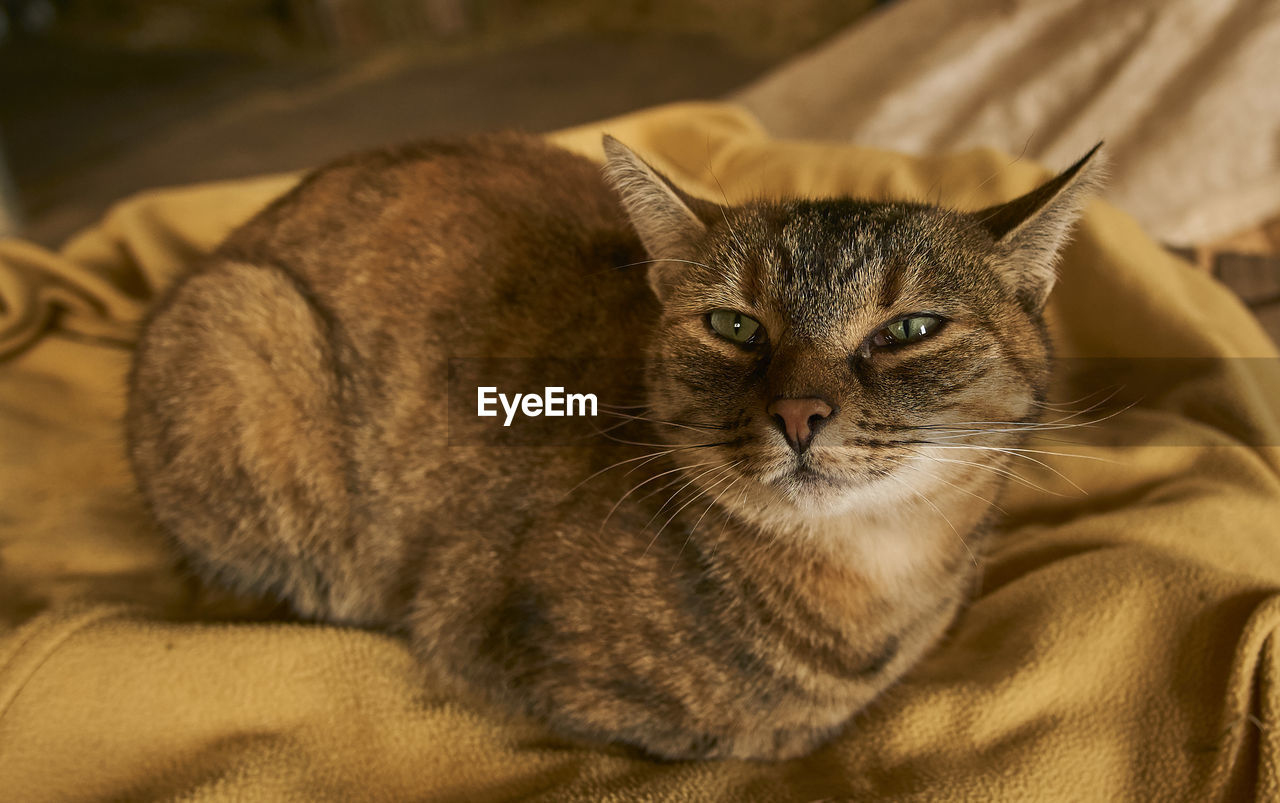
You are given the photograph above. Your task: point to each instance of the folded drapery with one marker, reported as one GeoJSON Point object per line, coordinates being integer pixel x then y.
{"type": "Point", "coordinates": [1121, 645]}
{"type": "Point", "coordinates": [1183, 91]}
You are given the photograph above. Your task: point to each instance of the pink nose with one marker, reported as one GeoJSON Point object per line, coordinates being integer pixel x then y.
{"type": "Point", "coordinates": [799, 419]}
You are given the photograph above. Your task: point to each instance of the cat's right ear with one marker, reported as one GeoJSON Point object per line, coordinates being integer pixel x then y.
{"type": "Point", "coordinates": [660, 212]}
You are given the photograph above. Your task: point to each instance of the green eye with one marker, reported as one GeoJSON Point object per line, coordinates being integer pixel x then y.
{"type": "Point", "coordinates": [907, 330]}
{"type": "Point", "coordinates": [734, 326]}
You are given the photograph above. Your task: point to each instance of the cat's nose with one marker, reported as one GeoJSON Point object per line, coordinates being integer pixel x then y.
{"type": "Point", "coordinates": [800, 419]}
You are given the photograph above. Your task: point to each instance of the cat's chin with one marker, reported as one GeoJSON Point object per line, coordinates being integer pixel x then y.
{"type": "Point", "coordinates": [815, 492]}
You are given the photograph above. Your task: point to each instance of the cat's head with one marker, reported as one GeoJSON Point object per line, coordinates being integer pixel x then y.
{"type": "Point", "coordinates": [816, 356]}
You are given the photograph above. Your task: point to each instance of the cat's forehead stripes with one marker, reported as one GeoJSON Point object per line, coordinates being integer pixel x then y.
{"type": "Point", "coordinates": [860, 258]}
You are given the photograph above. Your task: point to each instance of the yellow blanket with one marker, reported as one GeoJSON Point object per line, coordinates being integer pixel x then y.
{"type": "Point", "coordinates": [1121, 646]}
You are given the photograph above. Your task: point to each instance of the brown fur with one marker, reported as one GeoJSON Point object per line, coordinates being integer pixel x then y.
{"type": "Point", "coordinates": [289, 424]}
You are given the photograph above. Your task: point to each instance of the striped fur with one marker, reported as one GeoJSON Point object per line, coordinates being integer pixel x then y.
{"type": "Point", "coordinates": [685, 583]}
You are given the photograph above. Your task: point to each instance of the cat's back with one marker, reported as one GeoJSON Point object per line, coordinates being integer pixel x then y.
{"type": "Point", "coordinates": [288, 412]}
{"type": "Point", "coordinates": [403, 194]}
{"type": "Point", "coordinates": [449, 232]}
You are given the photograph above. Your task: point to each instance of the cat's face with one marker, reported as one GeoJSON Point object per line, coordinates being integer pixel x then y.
{"type": "Point", "coordinates": [822, 345]}
{"type": "Point", "coordinates": [818, 357]}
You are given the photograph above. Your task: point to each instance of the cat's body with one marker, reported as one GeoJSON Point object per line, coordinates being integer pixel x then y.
{"type": "Point", "coordinates": [289, 427]}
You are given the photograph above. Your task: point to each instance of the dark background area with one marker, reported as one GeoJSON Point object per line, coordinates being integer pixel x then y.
{"type": "Point", "coordinates": [101, 98]}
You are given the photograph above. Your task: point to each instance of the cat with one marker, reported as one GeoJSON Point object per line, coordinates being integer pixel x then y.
{"type": "Point", "coordinates": [789, 525]}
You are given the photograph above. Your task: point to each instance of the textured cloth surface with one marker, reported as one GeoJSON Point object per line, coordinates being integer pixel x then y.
{"type": "Point", "coordinates": [1183, 91]}
{"type": "Point", "coordinates": [1122, 645]}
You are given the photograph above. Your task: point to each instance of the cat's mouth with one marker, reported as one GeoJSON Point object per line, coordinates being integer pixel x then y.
{"type": "Point", "coordinates": [805, 475]}
{"type": "Point", "coordinates": [810, 478]}
{"type": "Point", "coordinates": [804, 471]}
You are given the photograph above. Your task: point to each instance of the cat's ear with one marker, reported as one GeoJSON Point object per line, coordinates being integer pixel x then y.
{"type": "Point", "coordinates": [1033, 229]}
{"type": "Point", "coordinates": [662, 215]}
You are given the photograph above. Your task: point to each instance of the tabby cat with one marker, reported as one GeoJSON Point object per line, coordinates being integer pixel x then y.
{"type": "Point", "coordinates": [771, 518]}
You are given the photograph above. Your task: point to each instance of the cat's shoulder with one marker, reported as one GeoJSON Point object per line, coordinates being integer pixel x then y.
{"type": "Point", "coordinates": [510, 161]}
{"type": "Point", "coordinates": [484, 178]}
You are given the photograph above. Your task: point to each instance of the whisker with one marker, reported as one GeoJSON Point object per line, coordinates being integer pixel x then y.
{"type": "Point", "coordinates": [732, 234]}
{"type": "Point", "coordinates": [1019, 449]}
{"type": "Point", "coordinates": [1037, 438]}
{"type": "Point", "coordinates": [1004, 472]}
{"type": "Point", "coordinates": [694, 529]}
{"type": "Point", "coordinates": [638, 486]}
{"type": "Point", "coordinates": [1024, 426]}
{"type": "Point", "coordinates": [1024, 437]}
{"type": "Point", "coordinates": [652, 261]}
{"type": "Point", "coordinates": [974, 494]}
{"type": "Point", "coordinates": [972, 428]}
{"type": "Point", "coordinates": [1018, 453]}
{"type": "Point", "coordinates": [972, 557]}
{"type": "Point", "coordinates": [660, 445]}
{"type": "Point", "coordinates": [742, 494]}
{"type": "Point", "coordinates": [720, 495]}
{"type": "Point", "coordinates": [680, 490]}
{"type": "Point", "coordinates": [1069, 406]}
{"type": "Point", "coordinates": [1016, 159]}
{"type": "Point", "coordinates": [601, 430]}
{"type": "Point", "coordinates": [667, 423]}
{"type": "Point", "coordinates": [645, 457]}
{"type": "Point", "coordinates": [938, 510]}
{"type": "Point", "coordinates": [695, 498]}
{"type": "Point", "coordinates": [718, 479]}
{"type": "Point", "coordinates": [658, 490]}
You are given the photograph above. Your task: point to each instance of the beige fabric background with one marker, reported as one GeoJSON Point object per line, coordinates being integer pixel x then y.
{"type": "Point", "coordinates": [1122, 645]}
{"type": "Point", "coordinates": [1184, 92]}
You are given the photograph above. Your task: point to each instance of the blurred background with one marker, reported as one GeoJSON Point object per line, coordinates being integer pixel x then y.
{"type": "Point", "coordinates": [103, 98]}
{"type": "Point", "coordinates": [100, 98]}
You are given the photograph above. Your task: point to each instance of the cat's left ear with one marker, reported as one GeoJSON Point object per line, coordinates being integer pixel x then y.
{"type": "Point", "coordinates": [662, 215]}
{"type": "Point", "coordinates": [1032, 229]}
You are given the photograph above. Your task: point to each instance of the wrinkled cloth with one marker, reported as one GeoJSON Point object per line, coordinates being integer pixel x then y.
{"type": "Point", "coordinates": [1122, 644]}
{"type": "Point", "coordinates": [1183, 91]}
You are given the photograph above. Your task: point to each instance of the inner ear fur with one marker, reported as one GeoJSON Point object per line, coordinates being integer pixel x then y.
{"type": "Point", "coordinates": [669, 221]}
{"type": "Point", "coordinates": [1032, 229]}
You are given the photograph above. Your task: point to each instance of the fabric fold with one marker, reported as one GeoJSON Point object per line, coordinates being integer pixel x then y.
{"type": "Point", "coordinates": [1122, 645]}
